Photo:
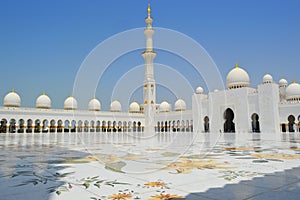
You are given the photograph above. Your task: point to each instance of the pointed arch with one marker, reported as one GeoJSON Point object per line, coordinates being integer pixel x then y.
{"type": "Point", "coordinates": [291, 123]}
{"type": "Point", "coordinates": [45, 126]}
{"type": "Point", "coordinates": [29, 126]}
{"type": "Point", "coordinates": [59, 126]}
{"type": "Point", "coordinates": [73, 126]}
{"type": "Point", "coordinates": [255, 123]}
{"type": "Point", "coordinates": [37, 126]}
{"type": "Point", "coordinates": [21, 126]}
{"type": "Point", "coordinates": [12, 126]}
{"type": "Point", "coordinates": [229, 126]}
{"type": "Point", "coordinates": [66, 126]}
{"type": "Point", "coordinates": [3, 126]}
{"type": "Point", "coordinates": [206, 124]}
{"type": "Point", "coordinates": [52, 126]}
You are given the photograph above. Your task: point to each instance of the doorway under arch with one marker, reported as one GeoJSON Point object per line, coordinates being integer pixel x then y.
{"type": "Point", "coordinates": [255, 123]}
{"type": "Point", "coordinates": [206, 124]}
{"type": "Point", "coordinates": [229, 126]}
{"type": "Point", "coordinates": [291, 119]}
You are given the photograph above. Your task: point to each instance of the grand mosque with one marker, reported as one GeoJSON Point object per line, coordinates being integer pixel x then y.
{"type": "Point", "coordinates": [271, 107]}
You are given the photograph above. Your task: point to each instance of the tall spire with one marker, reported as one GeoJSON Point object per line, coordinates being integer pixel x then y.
{"type": "Point", "coordinates": [149, 19]}
{"type": "Point", "coordinates": [149, 82]}
{"type": "Point", "coordinates": [149, 10]}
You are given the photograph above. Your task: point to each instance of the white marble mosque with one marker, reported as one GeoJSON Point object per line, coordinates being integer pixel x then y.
{"type": "Point", "coordinates": [271, 107]}
{"type": "Point", "coordinates": [238, 143]}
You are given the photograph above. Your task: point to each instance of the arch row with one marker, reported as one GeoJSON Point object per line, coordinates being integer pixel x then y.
{"type": "Point", "coordinates": [174, 126]}
{"type": "Point", "coordinates": [67, 126]}
{"type": "Point", "coordinates": [291, 125]}
{"type": "Point", "coordinates": [229, 125]}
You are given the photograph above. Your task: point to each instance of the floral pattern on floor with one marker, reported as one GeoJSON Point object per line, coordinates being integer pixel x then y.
{"type": "Point", "coordinates": [130, 169]}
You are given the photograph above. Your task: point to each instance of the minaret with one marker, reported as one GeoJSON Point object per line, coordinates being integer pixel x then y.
{"type": "Point", "coordinates": [149, 82]}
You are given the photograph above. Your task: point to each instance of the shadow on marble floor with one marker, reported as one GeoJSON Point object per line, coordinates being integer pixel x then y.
{"type": "Point", "coordinates": [279, 185]}
{"type": "Point", "coordinates": [33, 171]}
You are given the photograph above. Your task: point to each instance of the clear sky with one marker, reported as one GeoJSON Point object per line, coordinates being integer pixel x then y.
{"type": "Point", "coordinates": [43, 43]}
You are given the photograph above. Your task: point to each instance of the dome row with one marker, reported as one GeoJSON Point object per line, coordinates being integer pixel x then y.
{"type": "Point", "coordinates": [179, 105]}
{"type": "Point", "coordinates": [238, 78]}
{"type": "Point", "coordinates": [12, 99]}
{"type": "Point", "coordinates": [292, 91]}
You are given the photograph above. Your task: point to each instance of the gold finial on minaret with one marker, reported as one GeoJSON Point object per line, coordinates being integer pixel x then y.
{"type": "Point", "coordinates": [236, 65]}
{"type": "Point", "coordinates": [149, 10]}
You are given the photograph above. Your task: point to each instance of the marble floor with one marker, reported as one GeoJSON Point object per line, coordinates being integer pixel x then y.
{"type": "Point", "coordinates": [121, 166]}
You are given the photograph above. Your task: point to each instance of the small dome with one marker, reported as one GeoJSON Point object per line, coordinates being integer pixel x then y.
{"type": "Point", "coordinates": [164, 107]}
{"type": "Point", "coordinates": [43, 101]}
{"type": "Point", "coordinates": [199, 90]}
{"type": "Point", "coordinates": [12, 99]}
{"type": "Point", "coordinates": [180, 105]}
{"type": "Point", "coordinates": [94, 105]}
{"type": "Point", "coordinates": [115, 106]}
{"type": "Point", "coordinates": [293, 92]}
{"type": "Point", "coordinates": [283, 83]}
{"type": "Point", "coordinates": [134, 107]}
{"type": "Point", "coordinates": [70, 103]}
{"type": "Point", "coordinates": [267, 79]}
{"type": "Point", "coordinates": [237, 78]}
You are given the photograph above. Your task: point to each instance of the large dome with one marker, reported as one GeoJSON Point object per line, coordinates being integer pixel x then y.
{"type": "Point", "coordinates": [199, 90]}
{"type": "Point", "coordinates": [180, 105]}
{"type": "Point", "coordinates": [12, 99]}
{"type": "Point", "coordinates": [70, 103]}
{"type": "Point", "coordinates": [164, 107]}
{"type": "Point", "coordinates": [267, 79]}
{"type": "Point", "coordinates": [134, 107]}
{"type": "Point", "coordinates": [94, 105]}
{"type": "Point", "coordinates": [115, 106]}
{"type": "Point", "coordinates": [43, 101]}
{"type": "Point", "coordinates": [237, 78]}
{"type": "Point", "coordinates": [293, 92]}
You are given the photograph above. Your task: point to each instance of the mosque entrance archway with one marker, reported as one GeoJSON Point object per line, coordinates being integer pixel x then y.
{"type": "Point", "coordinates": [255, 123]}
{"type": "Point", "coordinates": [206, 124]}
{"type": "Point", "coordinates": [291, 123]}
{"type": "Point", "coordinates": [229, 126]}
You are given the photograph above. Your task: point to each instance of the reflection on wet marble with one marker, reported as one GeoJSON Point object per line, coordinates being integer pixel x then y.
{"type": "Point", "coordinates": [135, 166]}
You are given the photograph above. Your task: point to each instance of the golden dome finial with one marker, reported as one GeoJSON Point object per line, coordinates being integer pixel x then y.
{"type": "Point", "coordinates": [294, 82]}
{"type": "Point", "coordinates": [149, 10]}
{"type": "Point", "coordinates": [13, 90]}
{"type": "Point", "coordinates": [44, 93]}
{"type": "Point", "coordinates": [236, 65]}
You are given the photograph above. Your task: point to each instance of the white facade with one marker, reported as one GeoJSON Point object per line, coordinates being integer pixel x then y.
{"type": "Point", "coordinates": [270, 107]}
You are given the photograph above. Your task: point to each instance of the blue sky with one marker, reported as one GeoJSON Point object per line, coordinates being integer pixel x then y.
{"type": "Point", "coordinates": [43, 43]}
